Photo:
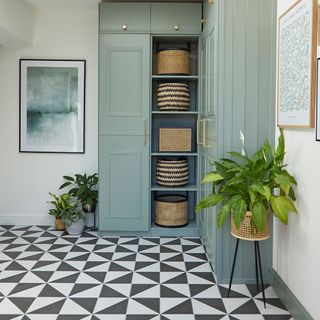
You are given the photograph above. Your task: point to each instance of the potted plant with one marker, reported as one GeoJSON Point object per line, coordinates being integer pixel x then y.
{"type": "Point", "coordinates": [249, 187]}
{"type": "Point", "coordinates": [68, 212]}
{"type": "Point", "coordinates": [58, 204]}
{"type": "Point", "coordinates": [84, 188]}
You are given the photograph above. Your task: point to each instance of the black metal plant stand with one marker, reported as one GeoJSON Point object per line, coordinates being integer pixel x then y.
{"type": "Point", "coordinates": [257, 258]}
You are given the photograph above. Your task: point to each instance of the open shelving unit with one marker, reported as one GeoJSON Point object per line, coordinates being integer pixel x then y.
{"type": "Point", "coordinates": [175, 119]}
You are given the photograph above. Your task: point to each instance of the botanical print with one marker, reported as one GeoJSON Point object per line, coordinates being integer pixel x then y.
{"type": "Point", "coordinates": [295, 50]}
{"type": "Point", "coordinates": [52, 113]}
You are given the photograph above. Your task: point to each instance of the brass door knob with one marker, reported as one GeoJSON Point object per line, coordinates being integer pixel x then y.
{"type": "Point", "coordinates": [124, 27]}
{"type": "Point", "coordinates": [176, 28]}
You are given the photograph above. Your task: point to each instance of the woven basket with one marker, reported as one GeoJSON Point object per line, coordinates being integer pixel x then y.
{"type": "Point", "coordinates": [173, 97]}
{"type": "Point", "coordinates": [175, 139]}
{"type": "Point", "coordinates": [173, 61]}
{"type": "Point", "coordinates": [171, 210]}
{"type": "Point", "coordinates": [246, 232]}
{"type": "Point", "coordinates": [172, 173]}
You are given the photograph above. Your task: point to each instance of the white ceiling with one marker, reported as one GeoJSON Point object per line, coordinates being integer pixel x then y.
{"type": "Point", "coordinates": [67, 4]}
{"type": "Point", "coordinates": [84, 4]}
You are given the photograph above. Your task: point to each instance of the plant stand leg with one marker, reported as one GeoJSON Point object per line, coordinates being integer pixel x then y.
{"type": "Point", "coordinates": [261, 276]}
{"type": "Point", "coordinates": [233, 265]}
{"type": "Point", "coordinates": [256, 262]}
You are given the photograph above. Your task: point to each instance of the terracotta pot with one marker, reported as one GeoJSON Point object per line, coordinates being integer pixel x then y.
{"type": "Point", "coordinates": [59, 224]}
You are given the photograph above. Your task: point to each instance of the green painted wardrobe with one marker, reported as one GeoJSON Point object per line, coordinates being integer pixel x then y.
{"type": "Point", "coordinates": [232, 59]}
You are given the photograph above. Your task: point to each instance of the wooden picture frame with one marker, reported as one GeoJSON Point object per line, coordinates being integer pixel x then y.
{"type": "Point", "coordinates": [297, 56]}
{"type": "Point", "coordinates": [52, 106]}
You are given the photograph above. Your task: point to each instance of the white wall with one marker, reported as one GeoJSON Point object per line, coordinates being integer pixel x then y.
{"type": "Point", "coordinates": [25, 179]}
{"type": "Point", "coordinates": [16, 22]}
{"type": "Point", "coordinates": [296, 256]}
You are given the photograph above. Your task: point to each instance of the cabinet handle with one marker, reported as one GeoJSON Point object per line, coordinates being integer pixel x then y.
{"type": "Point", "coordinates": [204, 140]}
{"type": "Point", "coordinates": [176, 28]}
{"type": "Point", "coordinates": [145, 132]}
{"type": "Point", "coordinates": [124, 27]}
{"type": "Point", "coordinates": [198, 129]}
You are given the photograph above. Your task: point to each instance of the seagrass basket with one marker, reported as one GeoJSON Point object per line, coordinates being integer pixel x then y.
{"type": "Point", "coordinates": [171, 210]}
{"type": "Point", "coordinates": [247, 232]}
{"type": "Point", "coordinates": [173, 61]}
{"type": "Point", "coordinates": [172, 172]}
{"type": "Point", "coordinates": [175, 139]}
{"type": "Point", "coordinates": [173, 97]}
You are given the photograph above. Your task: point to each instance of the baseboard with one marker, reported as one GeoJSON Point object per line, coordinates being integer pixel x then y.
{"type": "Point", "coordinates": [294, 306]}
{"type": "Point", "coordinates": [26, 220]}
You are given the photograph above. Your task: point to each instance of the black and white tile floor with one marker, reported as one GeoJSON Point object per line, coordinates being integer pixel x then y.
{"type": "Point", "coordinates": [46, 275]}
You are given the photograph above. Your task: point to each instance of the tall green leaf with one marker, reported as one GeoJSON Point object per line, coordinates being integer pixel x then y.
{"type": "Point", "coordinates": [284, 182]}
{"type": "Point", "coordinates": [212, 177]}
{"type": "Point", "coordinates": [68, 178]}
{"type": "Point", "coordinates": [209, 201]}
{"type": "Point", "coordinates": [280, 151]}
{"type": "Point", "coordinates": [239, 209]}
{"type": "Point", "coordinates": [223, 214]}
{"type": "Point", "coordinates": [259, 216]}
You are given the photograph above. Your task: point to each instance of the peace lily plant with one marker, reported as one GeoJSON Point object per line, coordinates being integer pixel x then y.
{"type": "Point", "coordinates": [253, 184]}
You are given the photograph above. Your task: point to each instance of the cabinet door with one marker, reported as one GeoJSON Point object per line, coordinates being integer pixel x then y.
{"type": "Point", "coordinates": [125, 17]}
{"type": "Point", "coordinates": [178, 18]}
{"type": "Point", "coordinates": [203, 76]}
{"type": "Point", "coordinates": [124, 183]}
{"type": "Point", "coordinates": [124, 83]}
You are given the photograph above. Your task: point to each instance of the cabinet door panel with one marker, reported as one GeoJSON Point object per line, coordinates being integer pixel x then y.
{"type": "Point", "coordinates": [124, 83]}
{"type": "Point", "coordinates": [124, 183]}
{"type": "Point", "coordinates": [134, 16]}
{"type": "Point", "coordinates": [178, 18]}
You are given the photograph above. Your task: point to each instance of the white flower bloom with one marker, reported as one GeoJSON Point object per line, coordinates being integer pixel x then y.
{"type": "Point", "coordinates": [242, 138]}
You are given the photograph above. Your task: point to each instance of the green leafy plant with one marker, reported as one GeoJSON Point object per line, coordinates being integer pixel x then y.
{"type": "Point", "coordinates": [65, 208]}
{"type": "Point", "coordinates": [84, 188]}
{"type": "Point", "coordinates": [252, 184]}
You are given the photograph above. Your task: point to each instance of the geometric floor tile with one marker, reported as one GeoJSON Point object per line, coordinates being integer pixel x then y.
{"type": "Point", "coordinates": [48, 275]}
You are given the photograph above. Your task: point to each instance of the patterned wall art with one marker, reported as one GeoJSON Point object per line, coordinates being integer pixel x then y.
{"type": "Point", "coordinates": [52, 106]}
{"type": "Point", "coordinates": [297, 55]}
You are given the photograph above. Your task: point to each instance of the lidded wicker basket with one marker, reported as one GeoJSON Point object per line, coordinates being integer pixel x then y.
{"type": "Point", "coordinates": [173, 61]}
{"type": "Point", "coordinates": [171, 210]}
{"type": "Point", "coordinates": [173, 97]}
{"type": "Point", "coordinates": [172, 172]}
{"type": "Point", "coordinates": [247, 232]}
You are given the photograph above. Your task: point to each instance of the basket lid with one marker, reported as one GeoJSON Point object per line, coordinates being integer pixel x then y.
{"type": "Point", "coordinates": [174, 198]}
{"type": "Point", "coordinates": [170, 49]}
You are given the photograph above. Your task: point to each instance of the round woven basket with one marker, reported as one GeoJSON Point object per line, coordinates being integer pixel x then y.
{"type": "Point", "coordinates": [246, 232]}
{"type": "Point", "coordinates": [173, 61]}
{"type": "Point", "coordinates": [173, 97]}
{"type": "Point", "coordinates": [171, 210]}
{"type": "Point", "coordinates": [172, 172]}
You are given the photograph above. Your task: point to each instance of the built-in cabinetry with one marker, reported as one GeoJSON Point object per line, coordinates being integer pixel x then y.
{"type": "Point", "coordinates": [129, 120]}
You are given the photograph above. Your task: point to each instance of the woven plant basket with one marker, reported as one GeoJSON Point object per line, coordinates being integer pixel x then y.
{"type": "Point", "coordinates": [171, 210]}
{"type": "Point", "coordinates": [173, 97]}
{"type": "Point", "coordinates": [173, 61]}
{"type": "Point", "coordinates": [246, 232]}
{"type": "Point", "coordinates": [172, 172]}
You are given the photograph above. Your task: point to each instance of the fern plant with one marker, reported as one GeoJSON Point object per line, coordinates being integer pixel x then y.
{"type": "Point", "coordinates": [252, 184]}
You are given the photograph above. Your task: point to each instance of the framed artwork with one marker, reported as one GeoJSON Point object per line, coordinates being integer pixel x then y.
{"type": "Point", "coordinates": [52, 106]}
{"type": "Point", "coordinates": [297, 55]}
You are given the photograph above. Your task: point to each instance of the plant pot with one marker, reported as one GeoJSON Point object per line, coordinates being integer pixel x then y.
{"type": "Point", "coordinates": [76, 228]}
{"type": "Point", "coordinates": [59, 224]}
{"type": "Point", "coordinates": [247, 232]}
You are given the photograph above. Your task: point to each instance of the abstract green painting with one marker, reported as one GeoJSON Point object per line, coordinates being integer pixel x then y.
{"type": "Point", "coordinates": [52, 106]}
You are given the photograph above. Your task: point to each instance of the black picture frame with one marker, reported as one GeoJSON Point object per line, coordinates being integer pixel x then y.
{"type": "Point", "coordinates": [52, 94]}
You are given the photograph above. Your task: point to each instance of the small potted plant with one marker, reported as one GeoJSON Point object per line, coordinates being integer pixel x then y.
{"type": "Point", "coordinates": [66, 208]}
{"type": "Point", "coordinates": [84, 188]}
{"type": "Point", "coordinates": [58, 204]}
{"type": "Point", "coordinates": [249, 187]}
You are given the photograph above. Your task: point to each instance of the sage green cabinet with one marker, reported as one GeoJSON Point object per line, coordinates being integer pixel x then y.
{"type": "Point", "coordinates": [177, 18]}
{"type": "Point", "coordinates": [124, 183]}
{"type": "Point", "coordinates": [123, 132]}
{"type": "Point", "coordinates": [125, 17]}
{"type": "Point", "coordinates": [124, 84]}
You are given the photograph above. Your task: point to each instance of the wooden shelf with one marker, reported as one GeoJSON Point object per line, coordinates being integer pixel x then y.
{"type": "Point", "coordinates": [177, 154]}
{"type": "Point", "coordinates": [176, 112]}
{"type": "Point", "coordinates": [189, 187]}
{"type": "Point", "coordinates": [159, 77]}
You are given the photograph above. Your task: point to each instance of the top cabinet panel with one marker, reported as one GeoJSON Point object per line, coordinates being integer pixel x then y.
{"type": "Point", "coordinates": [125, 17]}
{"type": "Point", "coordinates": [176, 18]}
